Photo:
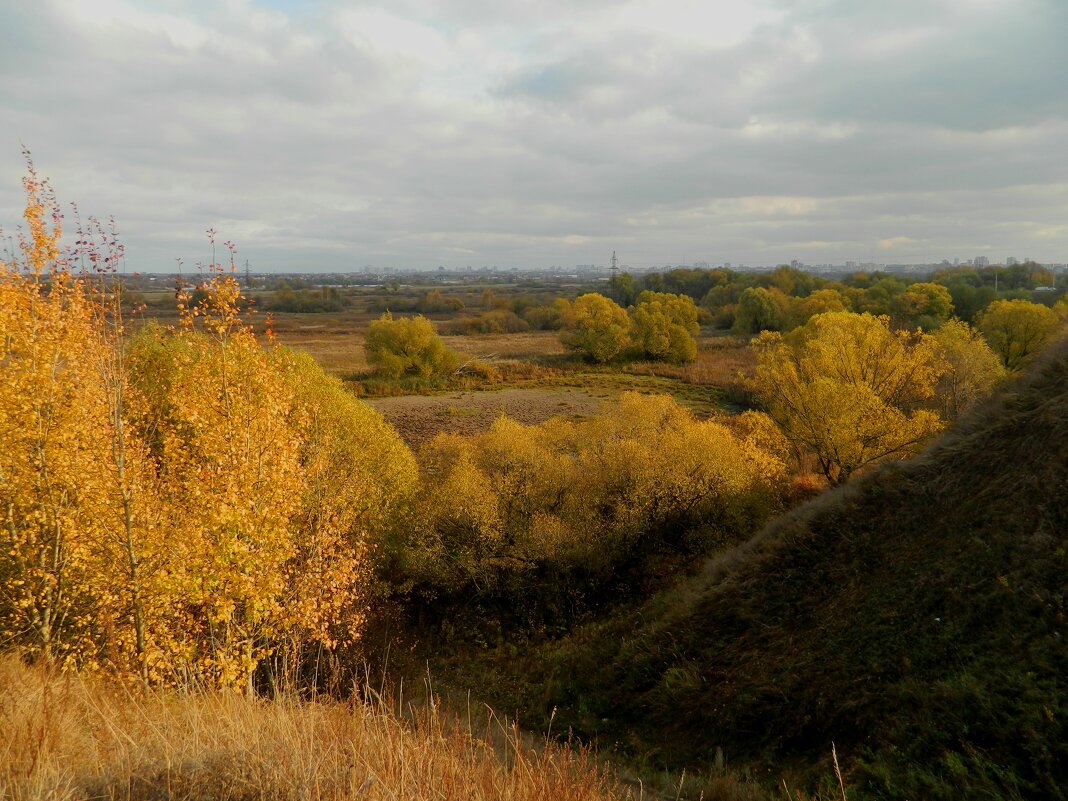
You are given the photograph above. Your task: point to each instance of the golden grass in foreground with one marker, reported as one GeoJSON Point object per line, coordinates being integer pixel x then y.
{"type": "Point", "coordinates": [65, 737]}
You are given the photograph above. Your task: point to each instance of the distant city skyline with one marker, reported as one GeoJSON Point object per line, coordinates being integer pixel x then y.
{"type": "Point", "coordinates": [325, 135]}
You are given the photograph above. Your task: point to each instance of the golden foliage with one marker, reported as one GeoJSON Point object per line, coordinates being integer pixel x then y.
{"type": "Point", "coordinates": [972, 368]}
{"type": "Point", "coordinates": [928, 303]}
{"type": "Point", "coordinates": [663, 327]}
{"type": "Point", "coordinates": [357, 478]}
{"type": "Point", "coordinates": [582, 490]}
{"type": "Point", "coordinates": [183, 504]}
{"type": "Point", "coordinates": [1017, 329]}
{"type": "Point", "coordinates": [54, 432]}
{"type": "Point", "coordinates": [819, 302]}
{"type": "Point", "coordinates": [597, 327]}
{"type": "Point", "coordinates": [407, 346]}
{"type": "Point", "coordinates": [849, 390]}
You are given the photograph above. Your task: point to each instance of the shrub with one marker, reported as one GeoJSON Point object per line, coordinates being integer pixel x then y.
{"type": "Point", "coordinates": [597, 327]}
{"type": "Point", "coordinates": [407, 346]}
{"type": "Point", "coordinates": [583, 501]}
{"type": "Point", "coordinates": [497, 321]}
{"type": "Point", "coordinates": [547, 318]}
{"type": "Point", "coordinates": [761, 309]}
{"type": "Point", "coordinates": [663, 327]}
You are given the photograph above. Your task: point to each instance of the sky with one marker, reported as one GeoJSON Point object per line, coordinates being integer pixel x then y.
{"type": "Point", "coordinates": [332, 135]}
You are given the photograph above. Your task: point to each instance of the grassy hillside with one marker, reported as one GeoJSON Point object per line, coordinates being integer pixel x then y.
{"type": "Point", "coordinates": [915, 618]}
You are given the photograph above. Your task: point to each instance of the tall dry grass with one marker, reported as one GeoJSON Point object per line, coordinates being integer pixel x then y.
{"type": "Point", "coordinates": [66, 737]}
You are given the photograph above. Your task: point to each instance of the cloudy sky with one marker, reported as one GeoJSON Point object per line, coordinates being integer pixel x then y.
{"type": "Point", "coordinates": [330, 134]}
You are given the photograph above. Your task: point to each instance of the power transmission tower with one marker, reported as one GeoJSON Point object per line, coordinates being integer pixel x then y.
{"type": "Point", "coordinates": [248, 276]}
{"type": "Point", "coordinates": [614, 270]}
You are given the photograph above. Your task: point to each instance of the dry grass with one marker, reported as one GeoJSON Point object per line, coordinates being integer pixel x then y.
{"type": "Point", "coordinates": [529, 346]}
{"type": "Point", "coordinates": [720, 361]}
{"type": "Point", "coordinates": [65, 737]}
{"type": "Point", "coordinates": [420, 418]}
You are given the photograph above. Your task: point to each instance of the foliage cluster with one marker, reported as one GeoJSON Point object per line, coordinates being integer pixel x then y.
{"type": "Point", "coordinates": [307, 301]}
{"type": "Point", "coordinates": [1017, 329]}
{"type": "Point", "coordinates": [784, 299]}
{"type": "Point", "coordinates": [549, 517]}
{"type": "Point", "coordinates": [407, 346]}
{"type": "Point", "coordinates": [850, 390]}
{"type": "Point", "coordinates": [496, 321]}
{"type": "Point", "coordinates": [180, 505]}
{"type": "Point", "coordinates": [659, 327]}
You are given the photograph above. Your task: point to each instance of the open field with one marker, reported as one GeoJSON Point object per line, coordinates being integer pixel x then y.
{"type": "Point", "coordinates": [419, 417]}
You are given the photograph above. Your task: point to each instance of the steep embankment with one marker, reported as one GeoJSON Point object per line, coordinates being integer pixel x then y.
{"type": "Point", "coordinates": [916, 618]}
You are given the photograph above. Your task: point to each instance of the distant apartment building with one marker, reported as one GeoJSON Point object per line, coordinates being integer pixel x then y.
{"type": "Point", "coordinates": [981, 261]}
{"type": "Point", "coordinates": [1011, 261]}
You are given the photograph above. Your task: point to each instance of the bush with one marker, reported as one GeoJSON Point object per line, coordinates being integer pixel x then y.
{"type": "Point", "coordinates": [306, 301]}
{"type": "Point", "coordinates": [849, 390]}
{"type": "Point", "coordinates": [597, 327]}
{"type": "Point", "coordinates": [585, 503]}
{"type": "Point", "coordinates": [435, 302]}
{"type": "Point", "coordinates": [497, 321]}
{"type": "Point", "coordinates": [407, 346]}
{"type": "Point", "coordinates": [547, 318]}
{"type": "Point", "coordinates": [663, 327]}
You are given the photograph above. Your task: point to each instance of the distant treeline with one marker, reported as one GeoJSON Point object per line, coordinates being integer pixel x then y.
{"type": "Point", "coordinates": [734, 299]}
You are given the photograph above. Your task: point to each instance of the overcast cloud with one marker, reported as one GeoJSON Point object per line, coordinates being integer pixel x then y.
{"type": "Point", "coordinates": [332, 135]}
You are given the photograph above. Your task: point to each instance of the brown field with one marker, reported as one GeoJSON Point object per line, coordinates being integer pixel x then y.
{"type": "Point", "coordinates": [539, 377]}
{"type": "Point", "coordinates": [419, 418]}
{"type": "Point", "coordinates": [336, 341]}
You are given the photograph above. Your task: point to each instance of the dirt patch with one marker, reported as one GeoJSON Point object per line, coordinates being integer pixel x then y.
{"type": "Point", "coordinates": [419, 417]}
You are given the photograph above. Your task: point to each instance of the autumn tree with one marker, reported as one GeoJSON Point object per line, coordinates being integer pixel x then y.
{"type": "Point", "coordinates": [664, 326]}
{"type": "Point", "coordinates": [848, 389]}
{"type": "Point", "coordinates": [596, 327]}
{"type": "Point", "coordinates": [566, 492]}
{"type": "Point", "coordinates": [925, 304]}
{"type": "Point", "coordinates": [622, 289]}
{"type": "Point", "coordinates": [53, 440]}
{"type": "Point", "coordinates": [184, 504]}
{"type": "Point", "coordinates": [407, 346]}
{"type": "Point", "coordinates": [972, 368]}
{"type": "Point", "coordinates": [820, 301]}
{"type": "Point", "coordinates": [357, 479]}
{"type": "Point", "coordinates": [761, 309]}
{"type": "Point", "coordinates": [1017, 329]}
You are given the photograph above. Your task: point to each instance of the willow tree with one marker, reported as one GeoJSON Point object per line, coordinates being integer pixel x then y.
{"type": "Point", "coordinates": [849, 390]}
{"type": "Point", "coordinates": [1017, 329]}
{"type": "Point", "coordinates": [663, 326]}
{"type": "Point", "coordinates": [597, 327]}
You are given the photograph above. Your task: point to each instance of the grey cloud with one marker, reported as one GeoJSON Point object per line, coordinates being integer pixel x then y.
{"type": "Point", "coordinates": [315, 151]}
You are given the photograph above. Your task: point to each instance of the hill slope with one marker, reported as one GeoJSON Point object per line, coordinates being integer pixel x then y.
{"type": "Point", "coordinates": [916, 618]}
